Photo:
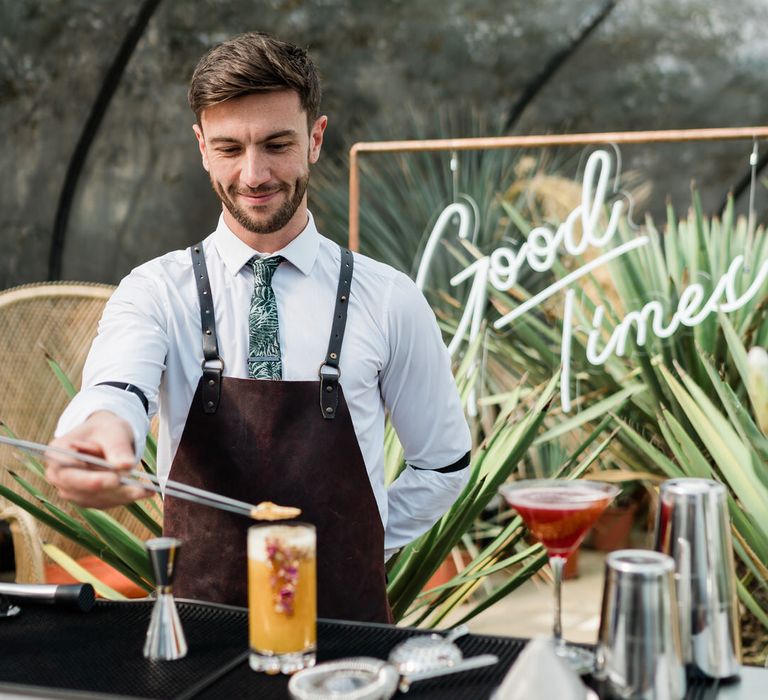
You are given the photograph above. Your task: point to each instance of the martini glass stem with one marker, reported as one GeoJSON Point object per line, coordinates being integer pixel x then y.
{"type": "Point", "coordinates": [557, 564]}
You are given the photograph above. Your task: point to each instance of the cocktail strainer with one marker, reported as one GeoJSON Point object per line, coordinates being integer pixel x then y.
{"type": "Point", "coordinates": [363, 678]}
{"type": "Point", "coordinates": [427, 652]}
{"type": "Point", "coordinates": [358, 678]}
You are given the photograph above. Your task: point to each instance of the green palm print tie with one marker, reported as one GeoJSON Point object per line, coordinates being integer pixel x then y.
{"type": "Point", "coordinates": [263, 329]}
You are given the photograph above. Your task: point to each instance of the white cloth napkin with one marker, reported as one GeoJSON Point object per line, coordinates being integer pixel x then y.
{"type": "Point", "coordinates": [539, 673]}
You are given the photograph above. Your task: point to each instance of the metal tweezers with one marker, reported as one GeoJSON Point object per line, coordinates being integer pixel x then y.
{"type": "Point", "coordinates": [150, 482]}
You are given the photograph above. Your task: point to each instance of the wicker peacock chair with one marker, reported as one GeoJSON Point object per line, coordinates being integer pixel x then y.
{"type": "Point", "coordinates": [56, 320]}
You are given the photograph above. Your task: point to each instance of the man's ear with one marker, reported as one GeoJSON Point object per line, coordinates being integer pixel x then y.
{"type": "Point", "coordinates": [201, 144]}
{"type": "Point", "coordinates": [316, 138]}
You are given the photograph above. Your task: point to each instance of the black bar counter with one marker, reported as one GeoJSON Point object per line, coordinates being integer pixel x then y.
{"type": "Point", "coordinates": [49, 652]}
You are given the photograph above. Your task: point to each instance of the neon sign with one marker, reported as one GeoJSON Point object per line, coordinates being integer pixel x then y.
{"type": "Point", "coordinates": [540, 252]}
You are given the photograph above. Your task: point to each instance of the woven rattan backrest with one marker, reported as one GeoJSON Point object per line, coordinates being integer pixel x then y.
{"type": "Point", "coordinates": [39, 320]}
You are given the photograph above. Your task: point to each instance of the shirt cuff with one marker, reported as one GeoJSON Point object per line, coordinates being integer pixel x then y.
{"type": "Point", "coordinates": [124, 404]}
{"type": "Point", "coordinates": [417, 500]}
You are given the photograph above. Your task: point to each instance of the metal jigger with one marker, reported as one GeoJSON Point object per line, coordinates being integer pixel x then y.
{"type": "Point", "coordinates": [165, 637]}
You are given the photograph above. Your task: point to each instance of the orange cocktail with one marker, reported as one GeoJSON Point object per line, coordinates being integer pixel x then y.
{"type": "Point", "coordinates": [282, 596]}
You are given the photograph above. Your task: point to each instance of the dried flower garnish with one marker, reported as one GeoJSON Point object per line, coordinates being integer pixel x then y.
{"type": "Point", "coordinates": [284, 565]}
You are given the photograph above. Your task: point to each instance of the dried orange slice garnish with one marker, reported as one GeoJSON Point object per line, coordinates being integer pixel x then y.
{"type": "Point", "coordinates": [266, 510]}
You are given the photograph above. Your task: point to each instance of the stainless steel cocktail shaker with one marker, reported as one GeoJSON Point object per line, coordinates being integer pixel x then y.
{"type": "Point", "coordinates": [638, 653]}
{"type": "Point", "coordinates": [692, 526]}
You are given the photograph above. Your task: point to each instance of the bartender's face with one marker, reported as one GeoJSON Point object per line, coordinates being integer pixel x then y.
{"type": "Point", "coordinates": [257, 150]}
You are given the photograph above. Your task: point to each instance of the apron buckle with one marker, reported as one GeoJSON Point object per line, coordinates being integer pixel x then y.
{"type": "Point", "coordinates": [212, 370]}
{"type": "Point", "coordinates": [329, 389]}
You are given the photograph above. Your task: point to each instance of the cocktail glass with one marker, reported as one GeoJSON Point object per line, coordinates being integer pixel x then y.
{"type": "Point", "coordinates": [282, 596]}
{"type": "Point", "coordinates": [559, 513]}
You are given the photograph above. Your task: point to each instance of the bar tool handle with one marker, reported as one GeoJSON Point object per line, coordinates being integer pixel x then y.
{"type": "Point", "coordinates": [468, 664]}
{"type": "Point", "coordinates": [80, 596]}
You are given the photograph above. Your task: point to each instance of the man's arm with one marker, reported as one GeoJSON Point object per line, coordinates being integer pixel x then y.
{"type": "Point", "coordinates": [105, 435]}
{"type": "Point", "coordinates": [107, 421]}
{"type": "Point", "coordinates": [419, 390]}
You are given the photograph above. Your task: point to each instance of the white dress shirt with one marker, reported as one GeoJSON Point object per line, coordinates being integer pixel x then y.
{"type": "Point", "coordinates": [393, 359]}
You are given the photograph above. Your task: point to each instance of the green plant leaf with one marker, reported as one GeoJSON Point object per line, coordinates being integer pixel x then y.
{"type": "Point", "coordinates": [731, 455]}
{"type": "Point", "coordinates": [38, 513]}
{"type": "Point", "coordinates": [80, 574]}
{"type": "Point", "coordinates": [64, 380]}
{"type": "Point", "coordinates": [122, 541]}
{"type": "Point", "coordinates": [686, 451]}
{"type": "Point", "coordinates": [463, 578]}
{"type": "Point", "coordinates": [735, 347]}
{"type": "Point", "coordinates": [749, 600]}
{"type": "Point", "coordinates": [594, 412]}
{"type": "Point", "coordinates": [28, 460]}
{"type": "Point", "coordinates": [71, 528]}
{"type": "Point", "coordinates": [656, 457]}
{"type": "Point", "coordinates": [140, 512]}
{"type": "Point", "coordinates": [507, 587]}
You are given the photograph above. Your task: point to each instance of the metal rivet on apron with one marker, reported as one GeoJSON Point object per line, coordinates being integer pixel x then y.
{"type": "Point", "coordinates": [329, 389]}
{"type": "Point", "coordinates": [343, 299]}
{"type": "Point", "coordinates": [197, 250]}
{"type": "Point", "coordinates": [210, 403]}
{"type": "Point", "coordinates": [205, 291]}
{"type": "Point", "coordinates": [211, 382]}
{"type": "Point", "coordinates": [208, 331]}
{"type": "Point", "coordinates": [333, 355]}
{"type": "Point", "coordinates": [329, 410]}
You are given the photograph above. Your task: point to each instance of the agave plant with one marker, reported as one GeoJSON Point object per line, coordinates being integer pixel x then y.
{"type": "Point", "coordinates": [689, 411]}
{"type": "Point", "coordinates": [645, 388]}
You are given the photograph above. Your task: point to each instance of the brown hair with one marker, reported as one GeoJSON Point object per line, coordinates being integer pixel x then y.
{"type": "Point", "coordinates": [252, 63]}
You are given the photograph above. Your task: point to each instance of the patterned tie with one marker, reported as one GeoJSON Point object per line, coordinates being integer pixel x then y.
{"type": "Point", "coordinates": [263, 329]}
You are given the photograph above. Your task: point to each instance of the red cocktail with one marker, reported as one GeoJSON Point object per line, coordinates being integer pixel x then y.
{"type": "Point", "coordinates": [559, 514]}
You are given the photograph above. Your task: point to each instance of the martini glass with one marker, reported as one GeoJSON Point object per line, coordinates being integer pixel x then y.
{"type": "Point", "coordinates": [559, 513]}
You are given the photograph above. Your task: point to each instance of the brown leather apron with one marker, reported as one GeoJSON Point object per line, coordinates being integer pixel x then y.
{"type": "Point", "coordinates": [288, 442]}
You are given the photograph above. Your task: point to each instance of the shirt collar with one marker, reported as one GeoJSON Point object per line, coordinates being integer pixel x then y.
{"type": "Point", "coordinates": [301, 252]}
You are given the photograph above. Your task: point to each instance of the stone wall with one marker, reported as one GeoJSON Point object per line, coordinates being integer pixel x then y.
{"type": "Point", "coordinates": [651, 65]}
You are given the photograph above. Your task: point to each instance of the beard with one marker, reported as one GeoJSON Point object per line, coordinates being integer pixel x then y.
{"type": "Point", "coordinates": [278, 220]}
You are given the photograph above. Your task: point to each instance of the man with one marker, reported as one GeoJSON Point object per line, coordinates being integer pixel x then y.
{"type": "Point", "coordinates": [260, 305]}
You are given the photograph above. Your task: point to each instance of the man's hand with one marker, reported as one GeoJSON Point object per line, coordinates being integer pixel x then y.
{"type": "Point", "coordinates": [103, 435]}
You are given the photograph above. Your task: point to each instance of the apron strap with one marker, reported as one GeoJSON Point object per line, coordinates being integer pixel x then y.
{"type": "Point", "coordinates": [213, 365]}
{"type": "Point", "coordinates": [329, 372]}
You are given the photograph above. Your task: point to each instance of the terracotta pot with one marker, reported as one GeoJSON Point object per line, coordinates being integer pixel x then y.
{"type": "Point", "coordinates": [613, 529]}
{"type": "Point", "coordinates": [102, 571]}
{"type": "Point", "coordinates": [445, 572]}
{"type": "Point", "coordinates": [571, 568]}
